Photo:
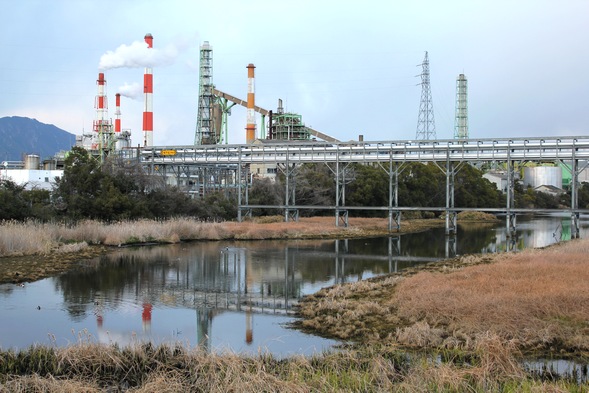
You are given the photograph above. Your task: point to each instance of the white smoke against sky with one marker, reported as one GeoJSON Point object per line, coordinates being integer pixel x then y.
{"type": "Point", "coordinates": [133, 91]}
{"type": "Point", "coordinates": [137, 55]}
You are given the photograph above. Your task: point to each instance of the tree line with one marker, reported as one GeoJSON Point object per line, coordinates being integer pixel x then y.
{"type": "Point", "coordinates": [119, 190]}
{"type": "Point", "coordinates": [112, 191]}
{"type": "Point", "coordinates": [419, 185]}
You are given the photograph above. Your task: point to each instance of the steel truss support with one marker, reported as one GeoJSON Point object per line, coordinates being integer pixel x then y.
{"type": "Point", "coordinates": [341, 214]}
{"type": "Point", "coordinates": [450, 170]}
{"type": "Point", "coordinates": [510, 217]}
{"type": "Point", "coordinates": [574, 169]}
{"type": "Point", "coordinates": [394, 170]}
{"type": "Point", "coordinates": [225, 109]}
{"type": "Point", "coordinates": [450, 212]}
{"type": "Point", "coordinates": [246, 179]}
{"type": "Point", "coordinates": [199, 180]}
{"type": "Point", "coordinates": [289, 171]}
{"type": "Point", "coordinates": [243, 175]}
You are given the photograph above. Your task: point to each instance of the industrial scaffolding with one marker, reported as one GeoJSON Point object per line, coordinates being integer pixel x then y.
{"type": "Point", "coordinates": [207, 132]}
{"type": "Point", "coordinates": [287, 126]}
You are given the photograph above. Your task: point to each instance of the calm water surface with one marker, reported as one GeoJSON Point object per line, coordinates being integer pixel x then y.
{"type": "Point", "coordinates": [228, 296]}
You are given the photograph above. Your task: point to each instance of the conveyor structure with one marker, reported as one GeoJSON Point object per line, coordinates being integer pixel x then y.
{"type": "Point", "coordinates": [570, 152]}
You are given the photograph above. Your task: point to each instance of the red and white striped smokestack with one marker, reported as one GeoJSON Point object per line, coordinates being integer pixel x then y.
{"type": "Point", "coordinates": [100, 104]}
{"type": "Point", "coordinates": [117, 113]}
{"type": "Point", "coordinates": [148, 101]}
{"type": "Point", "coordinates": [250, 128]}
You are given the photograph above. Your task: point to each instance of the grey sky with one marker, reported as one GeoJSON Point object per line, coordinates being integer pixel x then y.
{"type": "Point", "coordinates": [348, 68]}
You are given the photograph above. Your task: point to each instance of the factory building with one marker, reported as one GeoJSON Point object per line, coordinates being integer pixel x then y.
{"type": "Point", "coordinates": [31, 174]}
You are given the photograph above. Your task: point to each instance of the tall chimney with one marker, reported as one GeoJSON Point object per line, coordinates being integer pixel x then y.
{"type": "Point", "coordinates": [100, 104]}
{"type": "Point", "coordinates": [148, 101]}
{"type": "Point", "coordinates": [101, 122]}
{"type": "Point", "coordinates": [118, 114]}
{"type": "Point", "coordinates": [250, 128]}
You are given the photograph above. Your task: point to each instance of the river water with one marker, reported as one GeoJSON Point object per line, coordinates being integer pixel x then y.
{"type": "Point", "coordinates": [229, 296]}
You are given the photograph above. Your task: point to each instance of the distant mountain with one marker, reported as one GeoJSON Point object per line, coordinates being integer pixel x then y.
{"type": "Point", "coordinates": [20, 136]}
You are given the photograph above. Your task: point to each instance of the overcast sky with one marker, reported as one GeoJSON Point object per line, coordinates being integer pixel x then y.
{"type": "Point", "coordinates": [348, 67]}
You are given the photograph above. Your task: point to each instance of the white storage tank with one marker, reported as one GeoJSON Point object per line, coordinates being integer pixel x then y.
{"type": "Point", "coordinates": [543, 176]}
{"type": "Point", "coordinates": [32, 161]}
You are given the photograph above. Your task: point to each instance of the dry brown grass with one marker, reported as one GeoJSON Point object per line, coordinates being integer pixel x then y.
{"type": "Point", "coordinates": [352, 311]}
{"type": "Point", "coordinates": [144, 368]}
{"type": "Point", "coordinates": [47, 384]}
{"type": "Point", "coordinates": [38, 238]}
{"type": "Point", "coordinates": [538, 298]}
{"type": "Point", "coordinates": [24, 238]}
{"type": "Point", "coordinates": [476, 216]}
{"type": "Point", "coordinates": [533, 300]}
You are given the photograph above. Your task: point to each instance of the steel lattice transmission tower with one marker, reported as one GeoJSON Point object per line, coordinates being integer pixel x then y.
{"type": "Point", "coordinates": [205, 127]}
{"type": "Point", "coordinates": [426, 126]}
{"type": "Point", "coordinates": [461, 117]}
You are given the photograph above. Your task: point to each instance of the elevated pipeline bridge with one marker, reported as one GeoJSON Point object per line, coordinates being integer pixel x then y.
{"type": "Point", "coordinates": [571, 152]}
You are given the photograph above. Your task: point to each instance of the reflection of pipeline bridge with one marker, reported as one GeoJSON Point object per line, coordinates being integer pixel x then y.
{"type": "Point", "coordinates": [226, 285]}
{"type": "Point", "coordinates": [234, 289]}
{"type": "Point", "coordinates": [229, 166]}
{"type": "Point", "coordinates": [226, 300]}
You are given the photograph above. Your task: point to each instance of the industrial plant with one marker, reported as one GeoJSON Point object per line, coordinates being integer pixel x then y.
{"type": "Point", "coordinates": [283, 141]}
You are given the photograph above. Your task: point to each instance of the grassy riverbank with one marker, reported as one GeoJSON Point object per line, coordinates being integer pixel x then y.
{"type": "Point", "coordinates": [459, 325]}
{"type": "Point", "coordinates": [41, 238]}
{"type": "Point", "coordinates": [143, 368]}
{"type": "Point", "coordinates": [31, 250]}
{"type": "Point", "coordinates": [535, 302]}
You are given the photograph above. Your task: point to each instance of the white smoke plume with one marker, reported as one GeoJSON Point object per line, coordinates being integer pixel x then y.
{"type": "Point", "coordinates": [137, 55]}
{"type": "Point", "coordinates": [133, 91]}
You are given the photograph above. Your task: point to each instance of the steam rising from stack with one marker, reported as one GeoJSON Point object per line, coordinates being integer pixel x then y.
{"type": "Point", "coordinates": [133, 91]}
{"type": "Point", "coordinates": [138, 55]}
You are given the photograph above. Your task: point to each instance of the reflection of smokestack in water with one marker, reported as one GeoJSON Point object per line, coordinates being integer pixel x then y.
{"type": "Point", "coordinates": [249, 331]}
{"type": "Point", "coordinates": [250, 129]}
{"type": "Point", "coordinates": [148, 94]}
{"type": "Point", "coordinates": [146, 317]}
{"type": "Point", "coordinates": [117, 114]}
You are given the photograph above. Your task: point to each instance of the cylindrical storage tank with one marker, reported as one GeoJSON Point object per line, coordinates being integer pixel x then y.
{"type": "Point", "coordinates": [543, 176]}
{"type": "Point", "coordinates": [123, 141]}
{"type": "Point", "coordinates": [49, 165]}
{"type": "Point", "coordinates": [32, 161]}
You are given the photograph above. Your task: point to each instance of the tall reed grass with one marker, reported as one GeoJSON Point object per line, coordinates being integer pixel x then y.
{"type": "Point", "coordinates": [35, 237]}
{"type": "Point", "coordinates": [145, 368]}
